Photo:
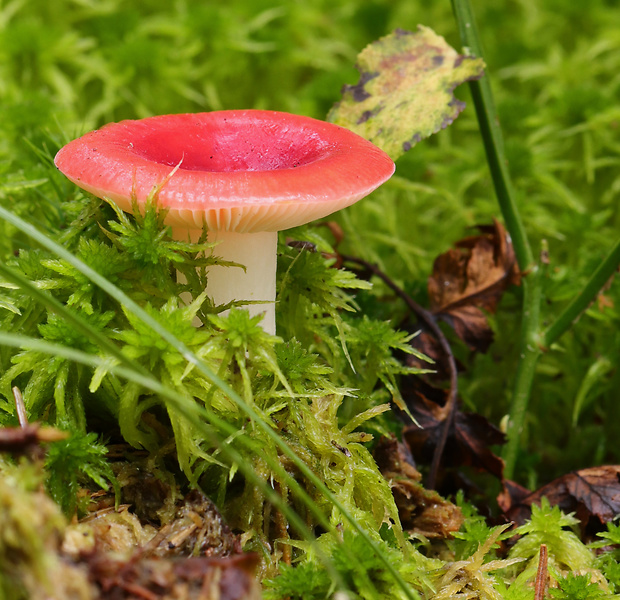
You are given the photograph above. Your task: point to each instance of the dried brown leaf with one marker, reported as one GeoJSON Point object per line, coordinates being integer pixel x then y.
{"type": "Point", "coordinates": [593, 494]}
{"type": "Point", "coordinates": [426, 343]}
{"type": "Point", "coordinates": [469, 438]}
{"type": "Point", "coordinates": [471, 278]}
{"type": "Point", "coordinates": [421, 511]}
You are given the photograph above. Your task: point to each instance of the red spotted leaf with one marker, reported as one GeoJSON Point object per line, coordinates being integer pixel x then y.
{"type": "Point", "coordinates": [406, 89]}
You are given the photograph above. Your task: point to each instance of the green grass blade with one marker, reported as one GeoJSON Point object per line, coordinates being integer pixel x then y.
{"type": "Point", "coordinates": [493, 141]}
{"type": "Point", "coordinates": [591, 289]}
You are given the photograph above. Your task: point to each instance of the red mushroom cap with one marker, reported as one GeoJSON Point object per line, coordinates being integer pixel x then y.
{"type": "Point", "coordinates": [239, 170]}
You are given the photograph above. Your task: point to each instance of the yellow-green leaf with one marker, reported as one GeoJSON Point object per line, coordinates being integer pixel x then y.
{"type": "Point", "coordinates": [405, 91]}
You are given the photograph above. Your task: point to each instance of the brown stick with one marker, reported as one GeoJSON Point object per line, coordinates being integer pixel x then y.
{"type": "Point", "coordinates": [429, 320]}
{"type": "Point", "coordinates": [541, 574]}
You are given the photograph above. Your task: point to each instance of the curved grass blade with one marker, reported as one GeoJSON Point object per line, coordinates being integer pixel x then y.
{"type": "Point", "coordinates": [105, 343]}
{"type": "Point", "coordinates": [47, 300]}
{"type": "Point", "coordinates": [198, 415]}
{"type": "Point", "coordinates": [190, 357]}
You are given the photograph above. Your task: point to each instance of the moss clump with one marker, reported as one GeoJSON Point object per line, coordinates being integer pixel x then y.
{"type": "Point", "coordinates": [31, 534]}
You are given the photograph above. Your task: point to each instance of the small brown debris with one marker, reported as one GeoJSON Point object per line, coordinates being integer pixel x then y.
{"type": "Point", "coordinates": [23, 440]}
{"type": "Point", "coordinates": [470, 436]}
{"type": "Point", "coordinates": [197, 530]}
{"type": "Point", "coordinates": [421, 511]}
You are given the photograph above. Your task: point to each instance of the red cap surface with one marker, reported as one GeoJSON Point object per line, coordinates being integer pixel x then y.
{"type": "Point", "coordinates": [240, 170]}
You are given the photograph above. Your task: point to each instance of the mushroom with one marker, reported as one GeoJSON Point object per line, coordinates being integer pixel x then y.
{"type": "Point", "coordinates": [246, 174]}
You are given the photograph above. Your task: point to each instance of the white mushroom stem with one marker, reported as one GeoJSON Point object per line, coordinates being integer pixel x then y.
{"type": "Point", "coordinates": [257, 252]}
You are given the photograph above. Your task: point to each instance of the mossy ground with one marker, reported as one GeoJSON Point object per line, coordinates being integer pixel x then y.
{"type": "Point", "coordinates": [67, 67]}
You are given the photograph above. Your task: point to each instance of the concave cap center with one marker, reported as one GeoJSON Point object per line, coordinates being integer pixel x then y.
{"type": "Point", "coordinates": [231, 144]}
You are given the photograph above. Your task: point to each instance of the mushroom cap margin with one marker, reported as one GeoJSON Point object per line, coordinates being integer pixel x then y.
{"type": "Point", "coordinates": [273, 170]}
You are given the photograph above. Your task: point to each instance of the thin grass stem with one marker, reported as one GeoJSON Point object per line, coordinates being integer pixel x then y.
{"type": "Point", "coordinates": [493, 141]}
{"type": "Point", "coordinates": [592, 288]}
{"type": "Point", "coordinates": [526, 368]}
{"type": "Point", "coordinates": [492, 137]}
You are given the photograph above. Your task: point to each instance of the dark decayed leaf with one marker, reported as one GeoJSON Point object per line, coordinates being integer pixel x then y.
{"type": "Point", "coordinates": [421, 511]}
{"type": "Point", "coordinates": [196, 578]}
{"type": "Point", "coordinates": [405, 91]}
{"type": "Point", "coordinates": [466, 281]}
{"type": "Point", "coordinates": [426, 343]}
{"type": "Point", "coordinates": [471, 278]}
{"type": "Point", "coordinates": [593, 494]}
{"type": "Point", "coordinates": [469, 438]}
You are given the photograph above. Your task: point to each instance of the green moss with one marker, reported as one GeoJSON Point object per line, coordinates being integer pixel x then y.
{"type": "Point", "coordinates": [67, 67]}
{"type": "Point", "coordinates": [31, 528]}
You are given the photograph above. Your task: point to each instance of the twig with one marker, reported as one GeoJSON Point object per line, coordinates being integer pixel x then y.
{"type": "Point", "coordinates": [429, 320]}
{"type": "Point", "coordinates": [20, 407]}
{"type": "Point", "coordinates": [27, 438]}
{"type": "Point", "coordinates": [540, 585]}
